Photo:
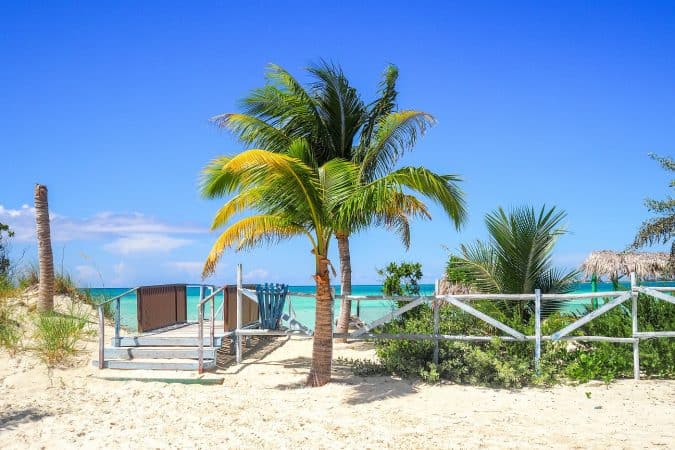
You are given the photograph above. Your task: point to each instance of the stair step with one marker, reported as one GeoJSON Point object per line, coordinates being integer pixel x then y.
{"type": "Point", "coordinates": [158, 353]}
{"type": "Point", "coordinates": [159, 341]}
{"type": "Point", "coordinates": [155, 364]}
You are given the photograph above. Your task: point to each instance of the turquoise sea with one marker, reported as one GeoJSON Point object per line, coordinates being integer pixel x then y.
{"type": "Point", "coordinates": [304, 306]}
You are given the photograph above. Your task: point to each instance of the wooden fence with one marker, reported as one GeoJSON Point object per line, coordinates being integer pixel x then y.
{"type": "Point", "coordinates": [615, 298]}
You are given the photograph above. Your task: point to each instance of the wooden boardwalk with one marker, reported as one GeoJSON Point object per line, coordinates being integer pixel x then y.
{"type": "Point", "coordinates": [190, 329]}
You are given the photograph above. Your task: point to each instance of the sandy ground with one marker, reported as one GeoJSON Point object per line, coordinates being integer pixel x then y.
{"type": "Point", "coordinates": [263, 403]}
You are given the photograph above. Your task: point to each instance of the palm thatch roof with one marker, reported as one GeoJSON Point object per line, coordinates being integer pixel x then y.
{"type": "Point", "coordinates": [446, 287]}
{"type": "Point", "coordinates": [646, 265]}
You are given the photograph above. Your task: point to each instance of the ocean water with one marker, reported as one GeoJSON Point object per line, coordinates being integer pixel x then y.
{"type": "Point", "coordinates": [304, 306]}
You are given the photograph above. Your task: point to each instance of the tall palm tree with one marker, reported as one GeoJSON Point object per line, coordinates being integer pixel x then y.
{"type": "Point", "coordinates": [291, 195]}
{"type": "Point", "coordinates": [517, 259]}
{"type": "Point", "coordinates": [45, 256]}
{"type": "Point", "coordinates": [331, 116]}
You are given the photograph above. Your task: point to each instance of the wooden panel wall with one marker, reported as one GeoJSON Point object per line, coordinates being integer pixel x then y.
{"type": "Point", "coordinates": [249, 308]}
{"type": "Point", "coordinates": [161, 306]}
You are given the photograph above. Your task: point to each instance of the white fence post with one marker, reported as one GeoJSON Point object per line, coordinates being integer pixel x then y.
{"type": "Point", "coordinates": [437, 307]}
{"type": "Point", "coordinates": [634, 313]}
{"type": "Point", "coordinates": [237, 338]}
{"type": "Point", "coordinates": [537, 330]}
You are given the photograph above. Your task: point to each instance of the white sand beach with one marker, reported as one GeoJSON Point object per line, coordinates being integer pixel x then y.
{"type": "Point", "coordinates": [263, 404]}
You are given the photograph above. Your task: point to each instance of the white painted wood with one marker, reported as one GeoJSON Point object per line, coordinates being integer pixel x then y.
{"type": "Point", "coordinates": [185, 341]}
{"type": "Point", "coordinates": [537, 330]}
{"type": "Point", "coordinates": [654, 293]}
{"type": "Point", "coordinates": [513, 297]}
{"type": "Point", "coordinates": [588, 295]}
{"type": "Point", "coordinates": [437, 309]}
{"type": "Point", "coordinates": [484, 317]}
{"type": "Point", "coordinates": [390, 316]}
{"type": "Point", "coordinates": [634, 320]}
{"type": "Point", "coordinates": [654, 334]}
{"type": "Point", "coordinates": [239, 312]}
{"type": "Point", "coordinates": [158, 353]}
{"type": "Point", "coordinates": [250, 294]}
{"type": "Point", "coordinates": [590, 316]}
{"type": "Point", "coordinates": [263, 332]}
{"type": "Point", "coordinates": [155, 364]}
{"type": "Point", "coordinates": [101, 337]}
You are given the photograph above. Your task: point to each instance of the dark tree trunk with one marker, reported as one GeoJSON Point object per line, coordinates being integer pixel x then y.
{"type": "Point", "coordinates": [45, 256]}
{"type": "Point", "coordinates": [345, 283]}
{"type": "Point", "coordinates": [322, 349]}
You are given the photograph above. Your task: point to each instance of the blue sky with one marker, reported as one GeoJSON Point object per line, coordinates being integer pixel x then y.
{"type": "Point", "coordinates": [107, 103]}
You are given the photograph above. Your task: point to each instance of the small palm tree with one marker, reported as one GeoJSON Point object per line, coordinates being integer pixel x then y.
{"type": "Point", "coordinates": [517, 259]}
{"type": "Point", "coordinates": [45, 255]}
{"type": "Point", "coordinates": [336, 123]}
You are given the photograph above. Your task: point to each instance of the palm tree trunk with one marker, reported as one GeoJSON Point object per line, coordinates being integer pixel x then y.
{"type": "Point", "coordinates": [322, 349]}
{"type": "Point", "coordinates": [346, 284]}
{"type": "Point", "coordinates": [45, 256]}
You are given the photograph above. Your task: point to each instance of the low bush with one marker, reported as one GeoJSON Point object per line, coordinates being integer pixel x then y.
{"type": "Point", "coordinates": [57, 336]}
{"type": "Point", "coordinates": [499, 363]}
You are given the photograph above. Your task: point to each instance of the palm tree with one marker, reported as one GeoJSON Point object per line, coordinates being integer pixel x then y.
{"type": "Point", "coordinates": [517, 258]}
{"type": "Point", "coordinates": [45, 256]}
{"type": "Point", "coordinates": [292, 195]}
{"type": "Point", "coordinates": [660, 229]}
{"type": "Point", "coordinates": [337, 124]}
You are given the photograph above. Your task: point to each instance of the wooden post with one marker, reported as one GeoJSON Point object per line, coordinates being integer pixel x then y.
{"type": "Point", "coordinates": [117, 322]}
{"type": "Point", "coordinates": [239, 314]}
{"type": "Point", "coordinates": [437, 307]}
{"type": "Point", "coordinates": [634, 313]}
{"type": "Point", "coordinates": [537, 330]}
{"type": "Point", "coordinates": [101, 338]}
{"type": "Point", "coordinates": [200, 337]}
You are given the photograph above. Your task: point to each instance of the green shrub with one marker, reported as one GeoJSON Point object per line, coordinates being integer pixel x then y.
{"type": "Point", "coordinates": [510, 364]}
{"type": "Point", "coordinates": [57, 336]}
{"type": "Point", "coordinates": [10, 330]}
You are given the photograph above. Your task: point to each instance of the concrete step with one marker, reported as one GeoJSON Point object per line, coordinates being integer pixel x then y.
{"type": "Point", "coordinates": [159, 341]}
{"type": "Point", "coordinates": [155, 364]}
{"type": "Point", "coordinates": [158, 353]}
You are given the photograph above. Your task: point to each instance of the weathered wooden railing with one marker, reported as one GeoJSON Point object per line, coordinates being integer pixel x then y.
{"type": "Point", "coordinates": [511, 335]}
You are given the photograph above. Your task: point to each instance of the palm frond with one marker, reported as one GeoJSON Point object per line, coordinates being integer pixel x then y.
{"type": "Point", "coordinates": [395, 133]}
{"type": "Point", "coordinates": [382, 106]}
{"type": "Point", "coordinates": [253, 131]}
{"type": "Point", "coordinates": [249, 232]}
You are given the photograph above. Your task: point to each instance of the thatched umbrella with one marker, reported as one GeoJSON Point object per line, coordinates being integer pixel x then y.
{"type": "Point", "coordinates": [613, 265]}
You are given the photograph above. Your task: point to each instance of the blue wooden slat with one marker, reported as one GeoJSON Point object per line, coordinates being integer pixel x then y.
{"type": "Point", "coordinates": [271, 300]}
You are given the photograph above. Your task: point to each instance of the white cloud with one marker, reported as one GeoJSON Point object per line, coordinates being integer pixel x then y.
{"type": "Point", "coordinates": [256, 276]}
{"type": "Point", "coordinates": [145, 243]}
{"type": "Point", "coordinates": [87, 275]}
{"type": "Point", "coordinates": [104, 224]}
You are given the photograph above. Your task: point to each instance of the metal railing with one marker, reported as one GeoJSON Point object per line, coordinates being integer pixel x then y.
{"type": "Point", "coordinates": [117, 318]}
{"type": "Point", "coordinates": [101, 325]}
{"type": "Point", "coordinates": [200, 323]}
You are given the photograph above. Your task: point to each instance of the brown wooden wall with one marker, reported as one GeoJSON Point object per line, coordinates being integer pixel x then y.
{"type": "Point", "coordinates": [249, 308]}
{"type": "Point", "coordinates": [161, 306]}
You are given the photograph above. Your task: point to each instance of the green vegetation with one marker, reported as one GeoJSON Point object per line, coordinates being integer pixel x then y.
{"type": "Point", "coordinates": [517, 259]}
{"type": "Point", "coordinates": [401, 279]}
{"type": "Point", "coordinates": [10, 328]}
{"type": "Point", "coordinates": [57, 336]}
{"type": "Point", "coordinates": [336, 123]}
{"type": "Point", "coordinates": [660, 229]}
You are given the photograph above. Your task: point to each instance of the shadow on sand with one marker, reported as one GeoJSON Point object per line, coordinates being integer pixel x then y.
{"type": "Point", "coordinates": [11, 419]}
